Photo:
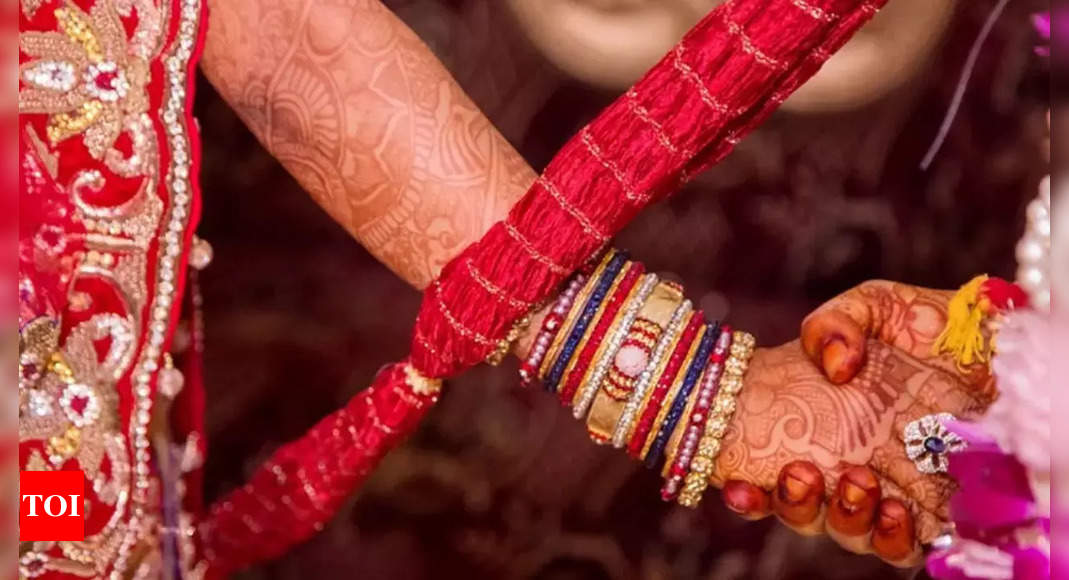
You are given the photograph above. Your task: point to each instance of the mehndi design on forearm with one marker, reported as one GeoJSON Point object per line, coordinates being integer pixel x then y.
{"type": "Point", "coordinates": [359, 111]}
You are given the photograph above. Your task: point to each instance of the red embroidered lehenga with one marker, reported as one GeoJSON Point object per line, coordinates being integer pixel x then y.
{"type": "Point", "coordinates": [109, 154]}
{"type": "Point", "coordinates": [108, 151]}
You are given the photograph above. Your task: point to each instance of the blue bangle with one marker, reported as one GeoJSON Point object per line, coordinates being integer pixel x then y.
{"type": "Point", "coordinates": [697, 365]}
{"type": "Point", "coordinates": [613, 268]}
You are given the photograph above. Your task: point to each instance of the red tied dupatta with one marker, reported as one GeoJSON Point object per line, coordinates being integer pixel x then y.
{"type": "Point", "coordinates": [723, 79]}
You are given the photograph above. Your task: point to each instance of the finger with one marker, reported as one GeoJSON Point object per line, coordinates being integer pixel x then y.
{"type": "Point", "coordinates": [798, 500]}
{"type": "Point", "coordinates": [928, 523]}
{"type": "Point", "coordinates": [747, 500]}
{"type": "Point", "coordinates": [930, 391]}
{"type": "Point", "coordinates": [925, 391]}
{"type": "Point", "coordinates": [835, 342]}
{"type": "Point", "coordinates": [909, 318]}
{"type": "Point", "coordinates": [893, 537]}
{"type": "Point", "coordinates": [852, 509]}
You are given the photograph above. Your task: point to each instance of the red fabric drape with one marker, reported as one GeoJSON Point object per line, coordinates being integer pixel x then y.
{"type": "Point", "coordinates": [724, 78]}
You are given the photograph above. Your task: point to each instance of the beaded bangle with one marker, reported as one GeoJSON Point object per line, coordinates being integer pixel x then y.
{"type": "Point", "coordinates": [595, 340]}
{"type": "Point", "coordinates": [627, 417]}
{"type": "Point", "coordinates": [593, 273]}
{"type": "Point", "coordinates": [551, 324]}
{"type": "Point", "coordinates": [701, 467]}
{"type": "Point", "coordinates": [604, 361]}
{"type": "Point", "coordinates": [601, 288]}
{"type": "Point", "coordinates": [650, 414]}
{"type": "Point", "coordinates": [699, 413]}
{"type": "Point", "coordinates": [675, 410]}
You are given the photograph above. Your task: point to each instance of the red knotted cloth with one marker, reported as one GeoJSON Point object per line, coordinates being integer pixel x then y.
{"type": "Point", "coordinates": [724, 78]}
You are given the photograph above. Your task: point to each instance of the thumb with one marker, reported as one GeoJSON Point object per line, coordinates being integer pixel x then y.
{"type": "Point", "coordinates": [835, 342]}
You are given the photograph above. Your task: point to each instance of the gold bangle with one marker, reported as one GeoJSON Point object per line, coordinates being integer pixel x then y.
{"type": "Point", "coordinates": [654, 317]}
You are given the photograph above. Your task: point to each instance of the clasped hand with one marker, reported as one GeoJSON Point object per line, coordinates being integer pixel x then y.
{"type": "Point", "coordinates": [817, 437]}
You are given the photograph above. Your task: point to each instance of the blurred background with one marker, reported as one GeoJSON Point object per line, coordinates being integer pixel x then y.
{"type": "Point", "coordinates": [502, 483]}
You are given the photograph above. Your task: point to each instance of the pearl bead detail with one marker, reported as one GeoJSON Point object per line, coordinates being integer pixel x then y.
{"type": "Point", "coordinates": [1033, 250]}
{"type": "Point", "coordinates": [631, 360]}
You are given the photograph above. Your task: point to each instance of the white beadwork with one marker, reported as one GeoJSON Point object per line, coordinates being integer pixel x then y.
{"type": "Point", "coordinates": [40, 404]}
{"type": "Point", "coordinates": [106, 81]}
{"type": "Point", "coordinates": [32, 565]}
{"type": "Point", "coordinates": [56, 75]}
{"type": "Point", "coordinates": [89, 413]}
{"type": "Point", "coordinates": [174, 117]}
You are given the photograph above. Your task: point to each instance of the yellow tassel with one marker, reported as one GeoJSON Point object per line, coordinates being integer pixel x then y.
{"type": "Point", "coordinates": [963, 336]}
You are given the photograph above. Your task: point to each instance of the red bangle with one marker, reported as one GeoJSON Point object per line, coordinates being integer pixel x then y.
{"type": "Point", "coordinates": [698, 416]}
{"type": "Point", "coordinates": [653, 406]}
{"type": "Point", "coordinates": [608, 315]}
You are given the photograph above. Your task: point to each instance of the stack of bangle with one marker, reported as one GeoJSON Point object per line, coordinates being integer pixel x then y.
{"type": "Point", "coordinates": [633, 359]}
{"type": "Point", "coordinates": [701, 467]}
{"type": "Point", "coordinates": [698, 416]}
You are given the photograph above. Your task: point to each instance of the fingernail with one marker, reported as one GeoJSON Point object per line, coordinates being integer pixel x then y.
{"type": "Point", "coordinates": [794, 490]}
{"type": "Point", "coordinates": [740, 497]}
{"type": "Point", "coordinates": [856, 486]}
{"type": "Point", "coordinates": [853, 495]}
{"type": "Point", "coordinates": [837, 360]}
{"type": "Point", "coordinates": [886, 524]}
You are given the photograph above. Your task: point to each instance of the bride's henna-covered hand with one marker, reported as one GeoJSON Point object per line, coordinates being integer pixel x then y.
{"type": "Point", "coordinates": [790, 412]}
{"type": "Point", "coordinates": [854, 514]}
{"type": "Point", "coordinates": [848, 340]}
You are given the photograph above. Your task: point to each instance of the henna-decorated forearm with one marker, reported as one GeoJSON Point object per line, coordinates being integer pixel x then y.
{"type": "Point", "coordinates": [364, 116]}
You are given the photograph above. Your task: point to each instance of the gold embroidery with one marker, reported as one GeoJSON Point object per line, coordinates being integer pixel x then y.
{"type": "Point", "coordinates": [84, 77]}
{"type": "Point", "coordinates": [83, 427]}
{"type": "Point", "coordinates": [47, 159]}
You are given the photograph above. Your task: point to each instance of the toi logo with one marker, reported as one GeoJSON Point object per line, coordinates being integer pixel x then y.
{"type": "Point", "coordinates": [51, 506]}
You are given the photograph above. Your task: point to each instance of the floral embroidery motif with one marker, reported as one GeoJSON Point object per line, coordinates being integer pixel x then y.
{"type": "Point", "coordinates": [87, 430]}
{"type": "Point", "coordinates": [84, 77]}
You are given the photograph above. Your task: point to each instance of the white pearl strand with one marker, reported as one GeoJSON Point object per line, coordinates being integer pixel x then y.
{"type": "Point", "coordinates": [601, 368]}
{"type": "Point", "coordinates": [1033, 250]}
{"type": "Point", "coordinates": [627, 417]}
